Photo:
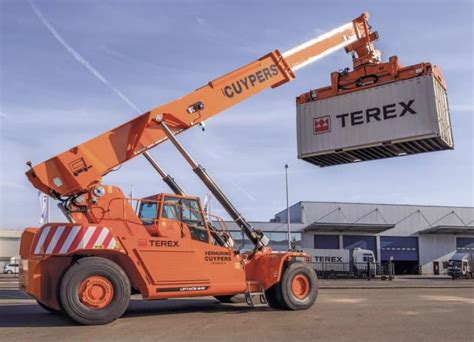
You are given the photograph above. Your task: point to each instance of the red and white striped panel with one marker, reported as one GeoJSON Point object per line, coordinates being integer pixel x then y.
{"type": "Point", "coordinates": [63, 239]}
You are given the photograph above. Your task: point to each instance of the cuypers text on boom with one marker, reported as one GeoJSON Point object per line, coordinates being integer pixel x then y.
{"type": "Point", "coordinates": [250, 81]}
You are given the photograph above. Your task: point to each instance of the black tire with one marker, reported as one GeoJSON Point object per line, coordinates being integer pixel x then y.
{"type": "Point", "coordinates": [9, 272]}
{"type": "Point", "coordinates": [225, 299]}
{"type": "Point", "coordinates": [80, 271]}
{"type": "Point", "coordinates": [291, 301]}
{"type": "Point", "coordinates": [47, 308]}
{"type": "Point", "coordinates": [274, 297]}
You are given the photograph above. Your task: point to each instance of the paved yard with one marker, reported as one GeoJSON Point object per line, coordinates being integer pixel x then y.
{"type": "Point", "coordinates": [403, 314]}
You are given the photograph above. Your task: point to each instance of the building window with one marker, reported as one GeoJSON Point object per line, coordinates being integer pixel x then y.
{"type": "Point", "coordinates": [326, 241]}
{"type": "Point", "coordinates": [465, 244]}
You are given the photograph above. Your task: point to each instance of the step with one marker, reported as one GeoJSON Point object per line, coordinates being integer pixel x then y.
{"type": "Point", "coordinates": [255, 295]}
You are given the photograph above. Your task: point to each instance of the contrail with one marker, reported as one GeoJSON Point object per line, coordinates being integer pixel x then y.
{"type": "Point", "coordinates": [81, 59]}
{"type": "Point", "coordinates": [242, 190]}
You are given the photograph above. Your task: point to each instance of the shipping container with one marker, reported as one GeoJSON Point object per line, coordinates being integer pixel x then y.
{"type": "Point", "coordinates": [400, 118]}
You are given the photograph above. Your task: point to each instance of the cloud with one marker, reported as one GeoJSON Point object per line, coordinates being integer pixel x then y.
{"type": "Point", "coordinates": [200, 20]}
{"type": "Point", "coordinates": [242, 190]}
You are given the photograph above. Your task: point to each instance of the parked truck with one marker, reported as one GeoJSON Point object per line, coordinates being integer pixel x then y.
{"type": "Point", "coordinates": [460, 265]}
{"type": "Point", "coordinates": [330, 263]}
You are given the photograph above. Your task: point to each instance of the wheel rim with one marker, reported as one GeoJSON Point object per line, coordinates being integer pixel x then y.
{"type": "Point", "coordinates": [96, 292]}
{"type": "Point", "coordinates": [300, 286]}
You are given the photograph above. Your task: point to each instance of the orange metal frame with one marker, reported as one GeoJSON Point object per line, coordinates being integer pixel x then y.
{"type": "Point", "coordinates": [368, 69]}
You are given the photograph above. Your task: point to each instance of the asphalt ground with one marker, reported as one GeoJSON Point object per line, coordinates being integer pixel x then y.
{"type": "Point", "coordinates": [11, 282]}
{"type": "Point", "coordinates": [340, 314]}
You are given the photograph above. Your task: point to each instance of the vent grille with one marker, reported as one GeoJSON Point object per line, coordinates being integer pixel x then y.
{"type": "Point", "coordinates": [386, 150]}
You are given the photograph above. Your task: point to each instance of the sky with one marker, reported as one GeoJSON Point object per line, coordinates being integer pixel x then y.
{"type": "Point", "coordinates": [114, 57]}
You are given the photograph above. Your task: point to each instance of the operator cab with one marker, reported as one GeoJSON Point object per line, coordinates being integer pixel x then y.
{"type": "Point", "coordinates": [155, 212]}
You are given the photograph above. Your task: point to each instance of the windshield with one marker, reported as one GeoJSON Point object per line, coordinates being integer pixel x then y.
{"type": "Point", "coordinates": [454, 263]}
{"type": "Point", "coordinates": [368, 257]}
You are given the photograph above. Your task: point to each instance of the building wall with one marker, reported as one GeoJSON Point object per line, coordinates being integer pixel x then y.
{"type": "Point", "coordinates": [408, 219]}
{"type": "Point", "coordinates": [295, 214]}
{"type": "Point", "coordinates": [9, 245]}
{"type": "Point", "coordinates": [435, 247]}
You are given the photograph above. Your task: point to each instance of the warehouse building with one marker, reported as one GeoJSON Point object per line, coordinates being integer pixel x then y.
{"type": "Point", "coordinates": [419, 238]}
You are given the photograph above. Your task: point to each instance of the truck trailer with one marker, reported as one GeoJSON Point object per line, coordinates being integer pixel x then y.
{"type": "Point", "coordinates": [331, 263]}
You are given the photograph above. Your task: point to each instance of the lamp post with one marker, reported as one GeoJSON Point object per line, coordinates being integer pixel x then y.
{"type": "Point", "coordinates": [288, 208]}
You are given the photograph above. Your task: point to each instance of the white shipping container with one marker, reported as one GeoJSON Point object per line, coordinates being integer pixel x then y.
{"type": "Point", "coordinates": [399, 118]}
{"type": "Point", "coordinates": [329, 259]}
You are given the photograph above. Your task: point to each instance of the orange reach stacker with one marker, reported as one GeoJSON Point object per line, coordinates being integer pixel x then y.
{"type": "Point", "coordinates": [164, 246]}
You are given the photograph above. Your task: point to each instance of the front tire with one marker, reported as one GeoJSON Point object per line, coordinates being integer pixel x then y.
{"type": "Point", "coordinates": [299, 286]}
{"type": "Point", "coordinates": [95, 291]}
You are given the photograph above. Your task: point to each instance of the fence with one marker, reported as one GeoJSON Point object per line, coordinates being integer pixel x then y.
{"type": "Point", "coordinates": [350, 269]}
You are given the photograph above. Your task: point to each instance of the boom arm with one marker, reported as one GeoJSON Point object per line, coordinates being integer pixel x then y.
{"type": "Point", "coordinates": [77, 169]}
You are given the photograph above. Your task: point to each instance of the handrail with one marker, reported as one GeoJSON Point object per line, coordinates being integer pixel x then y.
{"type": "Point", "coordinates": [209, 218]}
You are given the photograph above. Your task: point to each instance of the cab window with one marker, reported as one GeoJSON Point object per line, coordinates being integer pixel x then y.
{"type": "Point", "coordinates": [191, 212]}
{"type": "Point", "coordinates": [171, 209]}
{"type": "Point", "coordinates": [148, 213]}
{"type": "Point", "coordinates": [187, 211]}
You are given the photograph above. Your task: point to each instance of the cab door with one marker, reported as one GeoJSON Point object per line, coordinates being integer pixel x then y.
{"type": "Point", "coordinates": [171, 256]}
{"type": "Point", "coordinates": [220, 263]}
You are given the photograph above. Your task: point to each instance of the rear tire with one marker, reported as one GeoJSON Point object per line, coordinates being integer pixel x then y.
{"type": "Point", "coordinates": [94, 291]}
{"type": "Point", "coordinates": [299, 286]}
{"type": "Point", "coordinates": [225, 299]}
{"type": "Point", "coordinates": [47, 308]}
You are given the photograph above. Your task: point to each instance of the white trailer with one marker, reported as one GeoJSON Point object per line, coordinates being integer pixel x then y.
{"type": "Point", "coordinates": [341, 262]}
